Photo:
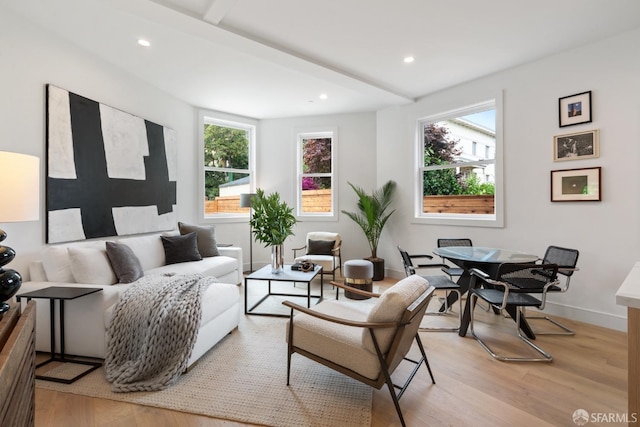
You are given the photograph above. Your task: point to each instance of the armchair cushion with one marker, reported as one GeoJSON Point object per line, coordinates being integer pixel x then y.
{"type": "Point", "coordinates": [390, 308]}
{"type": "Point", "coordinates": [320, 247]}
{"type": "Point", "coordinates": [337, 342]}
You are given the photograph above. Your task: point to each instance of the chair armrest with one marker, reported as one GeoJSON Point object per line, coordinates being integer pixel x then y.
{"type": "Point", "coordinates": [355, 290]}
{"type": "Point", "coordinates": [479, 273]}
{"type": "Point", "coordinates": [420, 256]}
{"type": "Point", "coordinates": [339, 320]}
{"type": "Point", "coordinates": [295, 250]}
{"type": "Point", "coordinates": [438, 265]}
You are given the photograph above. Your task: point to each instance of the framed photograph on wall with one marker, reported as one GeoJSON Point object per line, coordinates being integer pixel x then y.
{"type": "Point", "coordinates": [575, 109]}
{"type": "Point", "coordinates": [576, 185]}
{"type": "Point", "coordinates": [576, 146]}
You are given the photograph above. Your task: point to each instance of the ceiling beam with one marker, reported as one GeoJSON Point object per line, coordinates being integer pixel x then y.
{"type": "Point", "coordinates": [217, 10]}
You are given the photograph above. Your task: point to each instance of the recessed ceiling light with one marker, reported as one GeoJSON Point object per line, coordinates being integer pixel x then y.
{"type": "Point", "coordinates": [323, 96]}
{"type": "Point", "coordinates": [409, 59]}
{"type": "Point", "coordinates": [143, 42]}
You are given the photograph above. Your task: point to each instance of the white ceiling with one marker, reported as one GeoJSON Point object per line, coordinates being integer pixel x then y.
{"type": "Point", "coordinates": [273, 58]}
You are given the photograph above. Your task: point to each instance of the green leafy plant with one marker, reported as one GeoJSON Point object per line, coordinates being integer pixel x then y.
{"type": "Point", "coordinates": [372, 212]}
{"type": "Point", "coordinates": [272, 221]}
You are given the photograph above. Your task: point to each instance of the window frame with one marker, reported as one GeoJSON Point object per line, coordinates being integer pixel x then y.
{"type": "Point", "coordinates": [479, 220]}
{"type": "Point", "coordinates": [232, 121]}
{"type": "Point", "coordinates": [316, 133]}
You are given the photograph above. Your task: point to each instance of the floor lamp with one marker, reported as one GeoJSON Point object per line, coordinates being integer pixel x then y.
{"type": "Point", "coordinates": [245, 202]}
{"type": "Point", "coordinates": [20, 182]}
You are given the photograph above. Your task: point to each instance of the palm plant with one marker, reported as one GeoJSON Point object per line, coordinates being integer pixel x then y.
{"type": "Point", "coordinates": [372, 212]}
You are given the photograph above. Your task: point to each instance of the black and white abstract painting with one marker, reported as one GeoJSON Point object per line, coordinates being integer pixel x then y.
{"type": "Point", "coordinates": [109, 173]}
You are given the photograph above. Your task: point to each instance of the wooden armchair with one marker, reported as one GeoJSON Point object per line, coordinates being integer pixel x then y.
{"type": "Point", "coordinates": [364, 341]}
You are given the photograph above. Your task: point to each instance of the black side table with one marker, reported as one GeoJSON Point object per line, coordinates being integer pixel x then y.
{"type": "Point", "coordinates": [61, 294]}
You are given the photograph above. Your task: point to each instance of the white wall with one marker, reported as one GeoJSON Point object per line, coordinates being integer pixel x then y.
{"type": "Point", "coordinates": [29, 59]}
{"type": "Point", "coordinates": [606, 232]}
{"type": "Point", "coordinates": [356, 155]}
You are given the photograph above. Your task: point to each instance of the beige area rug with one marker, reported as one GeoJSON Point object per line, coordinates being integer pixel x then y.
{"type": "Point", "coordinates": [243, 378]}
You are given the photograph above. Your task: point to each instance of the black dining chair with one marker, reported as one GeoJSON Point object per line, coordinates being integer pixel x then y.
{"type": "Point", "coordinates": [452, 271]}
{"type": "Point", "coordinates": [439, 282]}
{"type": "Point", "coordinates": [513, 286]}
{"type": "Point", "coordinates": [566, 259]}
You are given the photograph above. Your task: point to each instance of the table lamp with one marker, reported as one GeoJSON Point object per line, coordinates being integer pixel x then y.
{"type": "Point", "coordinates": [245, 202]}
{"type": "Point", "coordinates": [20, 184]}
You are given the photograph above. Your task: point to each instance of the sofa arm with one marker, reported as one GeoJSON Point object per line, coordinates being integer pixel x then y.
{"type": "Point", "coordinates": [234, 252]}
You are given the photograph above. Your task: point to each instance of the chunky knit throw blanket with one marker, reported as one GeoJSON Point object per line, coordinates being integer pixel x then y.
{"type": "Point", "coordinates": [153, 331]}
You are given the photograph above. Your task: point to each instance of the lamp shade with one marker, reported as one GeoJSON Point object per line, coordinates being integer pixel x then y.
{"type": "Point", "coordinates": [245, 199]}
{"type": "Point", "coordinates": [20, 183]}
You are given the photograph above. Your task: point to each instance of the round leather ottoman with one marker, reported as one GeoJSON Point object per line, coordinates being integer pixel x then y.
{"type": "Point", "coordinates": [358, 273]}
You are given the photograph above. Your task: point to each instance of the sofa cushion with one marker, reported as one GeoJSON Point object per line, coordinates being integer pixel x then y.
{"type": "Point", "coordinates": [391, 306]}
{"type": "Point", "coordinates": [218, 266]}
{"type": "Point", "coordinates": [124, 262]}
{"type": "Point", "coordinates": [179, 249]}
{"type": "Point", "coordinates": [91, 266]}
{"type": "Point", "coordinates": [205, 238]}
{"type": "Point", "coordinates": [55, 260]}
{"type": "Point", "coordinates": [320, 247]}
{"type": "Point", "coordinates": [148, 249]}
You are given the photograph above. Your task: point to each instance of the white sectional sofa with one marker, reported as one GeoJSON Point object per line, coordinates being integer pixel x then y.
{"type": "Point", "coordinates": [86, 264]}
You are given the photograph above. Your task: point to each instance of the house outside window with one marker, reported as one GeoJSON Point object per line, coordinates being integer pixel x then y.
{"type": "Point", "coordinates": [458, 180]}
{"type": "Point", "coordinates": [226, 159]}
{"type": "Point", "coordinates": [315, 180]}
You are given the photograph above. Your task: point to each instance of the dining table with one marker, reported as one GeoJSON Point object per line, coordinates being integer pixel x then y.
{"type": "Point", "coordinates": [488, 260]}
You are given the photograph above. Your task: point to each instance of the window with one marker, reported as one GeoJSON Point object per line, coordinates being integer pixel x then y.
{"type": "Point", "coordinates": [458, 173]}
{"type": "Point", "coordinates": [227, 144]}
{"type": "Point", "coordinates": [316, 158]}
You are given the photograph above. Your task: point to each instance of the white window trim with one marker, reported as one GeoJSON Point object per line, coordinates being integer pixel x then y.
{"type": "Point", "coordinates": [479, 220]}
{"type": "Point", "coordinates": [224, 119]}
{"type": "Point", "coordinates": [310, 133]}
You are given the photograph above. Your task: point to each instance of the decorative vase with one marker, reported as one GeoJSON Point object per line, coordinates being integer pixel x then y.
{"type": "Point", "coordinates": [277, 259]}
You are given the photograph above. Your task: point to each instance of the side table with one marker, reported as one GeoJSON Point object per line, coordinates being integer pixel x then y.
{"type": "Point", "coordinates": [61, 294]}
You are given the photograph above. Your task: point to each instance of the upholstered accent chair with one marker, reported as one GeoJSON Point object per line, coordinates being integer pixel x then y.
{"type": "Point", "coordinates": [322, 248]}
{"type": "Point", "coordinates": [362, 340]}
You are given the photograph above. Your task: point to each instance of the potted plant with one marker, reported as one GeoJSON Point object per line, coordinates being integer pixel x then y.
{"type": "Point", "coordinates": [372, 215]}
{"type": "Point", "coordinates": [272, 222]}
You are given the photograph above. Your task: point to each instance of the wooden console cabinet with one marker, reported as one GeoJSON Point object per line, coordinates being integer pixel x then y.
{"type": "Point", "coordinates": [17, 366]}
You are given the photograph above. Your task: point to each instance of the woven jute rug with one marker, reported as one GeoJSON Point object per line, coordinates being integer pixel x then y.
{"type": "Point", "coordinates": [243, 378]}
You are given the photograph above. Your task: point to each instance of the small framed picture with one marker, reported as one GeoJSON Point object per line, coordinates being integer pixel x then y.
{"type": "Point", "coordinates": [576, 146]}
{"type": "Point", "coordinates": [575, 109]}
{"type": "Point", "coordinates": [576, 185]}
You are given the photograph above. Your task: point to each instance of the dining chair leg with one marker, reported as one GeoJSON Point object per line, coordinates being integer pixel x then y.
{"type": "Point", "coordinates": [546, 357]}
{"type": "Point", "coordinates": [565, 330]}
{"type": "Point", "coordinates": [445, 312]}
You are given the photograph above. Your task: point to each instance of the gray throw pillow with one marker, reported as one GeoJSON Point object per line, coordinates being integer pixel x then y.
{"type": "Point", "coordinates": [205, 236]}
{"type": "Point", "coordinates": [180, 248]}
{"type": "Point", "coordinates": [124, 262]}
{"type": "Point", "coordinates": [320, 247]}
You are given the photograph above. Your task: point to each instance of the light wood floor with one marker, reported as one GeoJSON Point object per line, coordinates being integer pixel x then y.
{"type": "Point", "coordinates": [589, 372]}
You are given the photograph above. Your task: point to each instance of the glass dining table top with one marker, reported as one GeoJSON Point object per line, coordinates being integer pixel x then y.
{"type": "Point", "coordinates": [484, 254]}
